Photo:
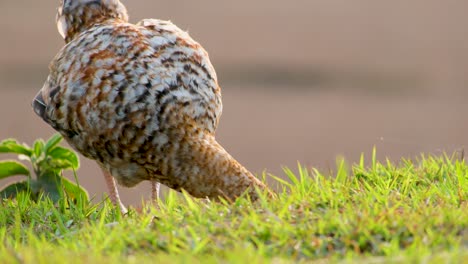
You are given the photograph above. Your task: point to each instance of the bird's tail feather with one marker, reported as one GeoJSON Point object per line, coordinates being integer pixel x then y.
{"type": "Point", "coordinates": [210, 171]}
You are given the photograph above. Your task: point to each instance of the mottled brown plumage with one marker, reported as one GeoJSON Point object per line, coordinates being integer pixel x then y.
{"type": "Point", "coordinates": [142, 100]}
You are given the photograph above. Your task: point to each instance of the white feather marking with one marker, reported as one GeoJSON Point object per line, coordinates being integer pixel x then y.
{"type": "Point", "coordinates": [158, 41]}
{"type": "Point", "coordinates": [62, 27]}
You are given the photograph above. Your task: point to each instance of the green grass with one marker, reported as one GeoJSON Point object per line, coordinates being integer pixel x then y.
{"type": "Point", "coordinates": [413, 211]}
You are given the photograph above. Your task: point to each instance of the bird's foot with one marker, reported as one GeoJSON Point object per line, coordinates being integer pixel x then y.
{"type": "Point", "coordinates": [122, 207]}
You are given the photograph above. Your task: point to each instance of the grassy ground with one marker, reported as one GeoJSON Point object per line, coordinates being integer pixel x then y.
{"type": "Point", "coordinates": [413, 211]}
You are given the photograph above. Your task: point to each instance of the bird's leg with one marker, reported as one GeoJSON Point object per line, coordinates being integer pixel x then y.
{"type": "Point", "coordinates": [155, 186]}
{"type": "Point", "coordinates": [113, 191]}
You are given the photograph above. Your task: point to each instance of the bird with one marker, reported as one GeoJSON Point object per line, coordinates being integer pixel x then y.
{"type": "Point", "coordinates": [142, 100]}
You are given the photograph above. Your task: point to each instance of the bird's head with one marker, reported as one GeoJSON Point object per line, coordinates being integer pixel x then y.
{"type": "Point", "coordinates": [75, 16]}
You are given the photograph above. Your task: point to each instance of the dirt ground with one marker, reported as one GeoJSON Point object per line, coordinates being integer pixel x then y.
{"type": "Point", "coordinates": [302, 81]}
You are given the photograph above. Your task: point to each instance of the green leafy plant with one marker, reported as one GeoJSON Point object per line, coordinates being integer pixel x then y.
{"type": "Point", "coordinates": [48, 160]}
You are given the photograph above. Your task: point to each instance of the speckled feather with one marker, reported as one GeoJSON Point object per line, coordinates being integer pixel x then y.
{"type": "Point", "coordinates": [141, 99]}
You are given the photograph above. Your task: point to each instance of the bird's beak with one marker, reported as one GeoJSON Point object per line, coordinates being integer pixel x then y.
{"type": "Point", "coordinates": [39, 106]}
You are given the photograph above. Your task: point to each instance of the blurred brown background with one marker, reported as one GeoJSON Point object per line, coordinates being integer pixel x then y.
{"type": "Point", "coordinates": [303, 80]}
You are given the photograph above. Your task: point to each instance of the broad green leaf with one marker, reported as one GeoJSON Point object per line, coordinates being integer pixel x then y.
{"type": "Point", "coordinates": [11, 168]}
{"type": "Point", "coordinates": [63, 158]}
{"type": "Point", "coordinates": [12, 146]}
{"type": "Point", "coordinates": [74, 191]}
{"type": "Point", "coordinates": [52, 142]}
{"type": "Point", "coordinates": [12, 190]}
{"type": "Point", "coordinates": [38, 148]}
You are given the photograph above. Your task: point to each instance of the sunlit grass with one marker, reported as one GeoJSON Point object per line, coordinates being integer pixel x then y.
{"type": "Point", "coordinates": [413, 211]}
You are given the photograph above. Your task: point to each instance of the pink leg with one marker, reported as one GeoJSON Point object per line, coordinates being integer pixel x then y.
{"type": "Point", "coordinates": [113, 191]}
{"type": "Point", "coordinates": [155, 186]}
